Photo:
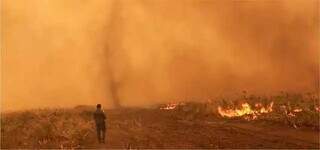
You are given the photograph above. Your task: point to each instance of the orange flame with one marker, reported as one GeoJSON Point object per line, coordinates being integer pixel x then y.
{"type": "Point", "coordinates": [171, 106]}
{"type": "Point", "coordinates": [317, 108]}
{"type": "Point", "coordinates": [245, 110]}
{"type": "Point", "coordinates": [297, 110]}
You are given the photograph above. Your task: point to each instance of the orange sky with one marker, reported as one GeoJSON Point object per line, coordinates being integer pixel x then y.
{"type": "Point", "coordinates": [65, 52]}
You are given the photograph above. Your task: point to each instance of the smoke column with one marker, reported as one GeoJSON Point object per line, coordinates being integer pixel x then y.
{"type": "Point", "coordinates": [113, 84]}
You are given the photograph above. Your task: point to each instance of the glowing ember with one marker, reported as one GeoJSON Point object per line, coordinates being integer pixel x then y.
{"type": "Point", "coordinates": [290, 114]}
{"type": "Point", "coordinates": [171, 106]}
{"type": "Point", "coordinates": [297, 110]}
{"type": "Point", "coordinates": [246, 111]}
{"type": "Point", "coordinates": [258, 105]}
{"type": "Point", "coordinates": [317, 108]}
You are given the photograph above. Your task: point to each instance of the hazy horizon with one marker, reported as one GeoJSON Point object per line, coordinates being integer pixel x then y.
{"type": "Point", "coordinates": [58, 53]}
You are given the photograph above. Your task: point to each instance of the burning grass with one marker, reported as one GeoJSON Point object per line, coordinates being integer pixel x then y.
{"type": "Point", "coordinates": [246, 110]}
{"type": "Point", "coordinates": [74, 128]}
{"type": "Point", "coordinates": [295, 110]}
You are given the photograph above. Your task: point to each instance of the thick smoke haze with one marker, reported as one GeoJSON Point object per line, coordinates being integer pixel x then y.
{"type": "Point", "coordinates": [139, 52]}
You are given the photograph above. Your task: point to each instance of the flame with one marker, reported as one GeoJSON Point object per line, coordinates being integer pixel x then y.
{"type": "Point", "coordinates": [171, 106]}
{"type": "Point", "coordinates": [289, 112]}
{"type": "Point", "coordinates": [258, 105]}
{"type": "Point", "coordinates": [317, 108]}
{"type": "Point", "coordinates": [297, 110]}
{"type": "Point", "coordinates": [246, 111]}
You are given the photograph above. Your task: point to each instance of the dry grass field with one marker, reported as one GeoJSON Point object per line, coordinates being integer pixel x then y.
{"type": "Point", "coordinates": [282, 121]}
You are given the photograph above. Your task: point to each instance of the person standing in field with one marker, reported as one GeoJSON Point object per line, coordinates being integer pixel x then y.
{"type": "Point", "coordinates": [99, 118]}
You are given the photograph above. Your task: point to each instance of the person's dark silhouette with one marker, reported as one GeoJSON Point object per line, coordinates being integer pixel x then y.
{"type": "Point", "coordinates": [99, 118]}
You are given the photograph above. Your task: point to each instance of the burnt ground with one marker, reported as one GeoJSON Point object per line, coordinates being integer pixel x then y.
{"type": "Point", "coordinates": [151, 128]}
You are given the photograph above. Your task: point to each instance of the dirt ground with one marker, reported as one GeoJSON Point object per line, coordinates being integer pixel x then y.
{"type": "Point", "coordinates": [138, 128]}
{"type": "Point", "coordinates": [146, 128]}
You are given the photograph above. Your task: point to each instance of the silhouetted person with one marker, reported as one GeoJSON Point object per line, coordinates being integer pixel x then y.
{"type": "Point", "coordinates": [99, 118]}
